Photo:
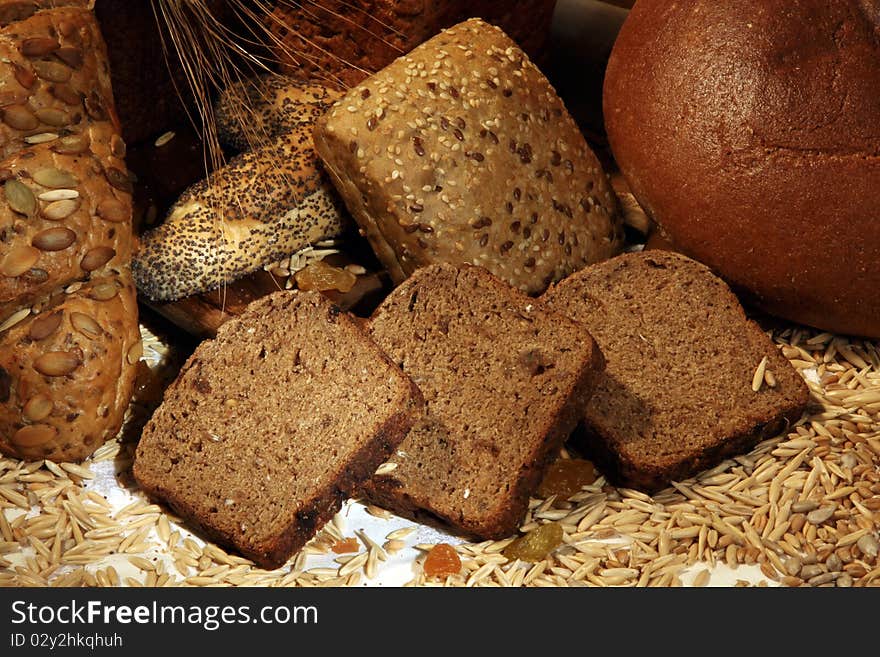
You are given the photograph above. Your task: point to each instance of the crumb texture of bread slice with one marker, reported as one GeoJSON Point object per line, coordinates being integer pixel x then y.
{"type": "Point", "coordinates": [505, 382]}
{"type": "Point", "coordinates": [273, 424]}
{"type": "Point", "coordinates": [677, 394]}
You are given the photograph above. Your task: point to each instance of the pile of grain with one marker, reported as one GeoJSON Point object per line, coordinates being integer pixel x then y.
{"type": "Point", "coordinates": [800, 509]}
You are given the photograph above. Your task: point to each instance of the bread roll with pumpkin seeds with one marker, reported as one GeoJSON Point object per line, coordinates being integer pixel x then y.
{"type": "Point", "coordinates": [462, 152]}
{"type": "Point", "coordinates": [69, 335]}
{"type": "Point", "coordinates": [66, 374]}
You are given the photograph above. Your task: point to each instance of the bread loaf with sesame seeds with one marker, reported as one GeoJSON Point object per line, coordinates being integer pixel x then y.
{"type": "Point", "coordinates": [679, 392]}
{"type": "Point", "coordinates": [505, 381]}
{"type": "Point", "coordinates": [273, 424]}
{"type": "Point", "coordinates": [265, 204]}
{"type": "Point", "coordinates": [69, 335]}
{"type": "Point", "coordinates": [462, 152]}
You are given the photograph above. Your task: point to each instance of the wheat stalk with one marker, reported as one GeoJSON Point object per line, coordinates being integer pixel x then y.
{"type": "Point", "coordinates": [215, 57]}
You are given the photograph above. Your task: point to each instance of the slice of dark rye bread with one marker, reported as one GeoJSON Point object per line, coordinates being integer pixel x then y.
{"type": "Point", "coordinates": [271, 426]}
{"type": "Point", "coordinates": [505, 382]}
{"type": "Point", "coordinates": [676, 396]}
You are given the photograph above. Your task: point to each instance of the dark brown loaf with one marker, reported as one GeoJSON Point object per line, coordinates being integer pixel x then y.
{"type": "Point", "coordinates": [69, 335]}
{"type": "Point", "coordinates": [461, 152]}
{"type": "Point", "coordinates": [676, 396]}
{"type": "Point", "coordinates": [749, 132]}
{"type": "Point", "coordinates": [272, 424]}
{"type": "Point", "coordinates": [505, 382]}
{"type": "Point", "coordinates": [342, 42]}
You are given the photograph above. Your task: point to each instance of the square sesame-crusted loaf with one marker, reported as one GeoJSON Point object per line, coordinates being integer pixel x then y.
{"type": "Point", "coordinates": [462, 152]}
{"type": "Point", "coordinates": [273, 423]}
{"type": "Point", "coordinates": [680, 391]}
{"type": "Point", "coordinates": [505, 382]}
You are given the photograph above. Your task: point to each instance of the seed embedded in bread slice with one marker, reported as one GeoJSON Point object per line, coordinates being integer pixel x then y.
{"type": "Point", "coordinates": [272, 424]}
{"type": "Point", "coordinates": [505, 381]}
{"type": "Point", "coordinates": [676, 396]}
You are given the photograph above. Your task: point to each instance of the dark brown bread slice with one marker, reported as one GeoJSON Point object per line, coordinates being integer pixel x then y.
{"type": "Point", "coordinates": [676, 396]}
{"type": "Point", "coordinates": [505, 382]}
{"type": "Point", "coordinates": [271, 425]}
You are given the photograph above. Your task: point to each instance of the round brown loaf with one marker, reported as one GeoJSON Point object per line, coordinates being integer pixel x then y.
{"type": "Point", "coordinates": [749, 131]}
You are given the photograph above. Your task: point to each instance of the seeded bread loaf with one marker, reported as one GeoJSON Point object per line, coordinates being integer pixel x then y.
{"type": "Point", "coordinates": [69, 334]}
{"type": "Point", "coordinates": [273, 423]}
{"type": "Point", "coordinates": [343, 41]}
{"type": "Point", "coordinates": [60, 221]}
{"type": "Point", "coordinates": [462, 152]}
{"type": "Point", "coordinates": [265, 204]}
{"type": "Point", "coordinates": [677, 393]}
{"type": "Point", "coordinates": [505, 381]}
{"type": "Point", "coordinates": [13, 11]}
{"type": "Point", "coordinates": [66, 375]}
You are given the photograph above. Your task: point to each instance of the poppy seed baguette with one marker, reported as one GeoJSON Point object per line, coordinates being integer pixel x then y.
{"type": "Point", "coordinates": [677, 395]}
{"type": "Point", "coordinates": [505, 382]}
{"type": "Point", "coordinates": [273, 424]}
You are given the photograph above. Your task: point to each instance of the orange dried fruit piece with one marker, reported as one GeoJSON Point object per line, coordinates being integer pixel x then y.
{"type": "Point", "coordinates": [344, 545]}
{"type": "Point", "coordinates": [566, 477]}
{"type": "Point", "coordinates": [321, 277]}
{"type": "Point", "coordinates": [536, 544]}
{"type": "Point", "coordinates": [442, 561]}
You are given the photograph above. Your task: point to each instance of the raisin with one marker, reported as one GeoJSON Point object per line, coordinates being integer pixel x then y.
{"type": "Point", "coordinates": [566, 477]}
{"type": "Point", "coordinates": [320, 276]}
{"type": "Point", "coordinates": [442, 561]}
{"type": "Point", "coordinates": [344, 545]}
{"type": "Point", "coordinates": [536, 544]}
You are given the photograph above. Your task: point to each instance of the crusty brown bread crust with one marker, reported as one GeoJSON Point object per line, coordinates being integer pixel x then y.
{"type": "Point", "coordinates": [341, 42]}
{"type": "Point", "coordinates": [273, 423]}
{"type": "Point", "coordinates": [748, 131]}
{"type": "Point", "coordinates": [505, 382]}
{"type": "Point", "coordinates": [676, 395]}
{"type": "Point", "coordinates": [462, 152]}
